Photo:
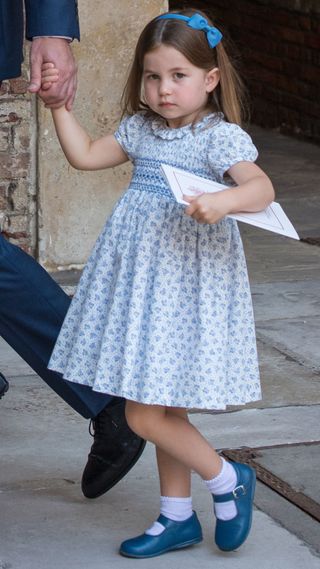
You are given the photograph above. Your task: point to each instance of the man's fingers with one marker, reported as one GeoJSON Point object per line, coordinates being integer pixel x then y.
{"type": "Point", "coordinates": [57, 95]}
{"type": "Point", "coordinates": [71, 89]}
{"type": "Point", "coordinates": [71, 93]}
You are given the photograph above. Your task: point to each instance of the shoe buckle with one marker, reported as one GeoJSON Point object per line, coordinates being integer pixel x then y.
{"type": "Point", "coordinates": [239, 491]}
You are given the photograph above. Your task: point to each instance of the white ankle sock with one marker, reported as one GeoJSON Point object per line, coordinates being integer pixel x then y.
{"type": "Point", "coordinates": [155, 529]}
{"type": "Point", "coordinates": [177, 509]}
{"type": "Point", "coordinates": [222, 484]}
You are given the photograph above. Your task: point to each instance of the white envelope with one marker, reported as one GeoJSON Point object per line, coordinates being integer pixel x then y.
{"type": "Point", "coordinates": [185, 183]}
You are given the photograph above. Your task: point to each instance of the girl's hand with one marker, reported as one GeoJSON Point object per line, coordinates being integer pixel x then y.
{"type": "Point", "coordinates": [49, 75]}
{"type": "Point", "coordinates": [253, 192]}
{"type": "Point", "coordinates": [208, 208]}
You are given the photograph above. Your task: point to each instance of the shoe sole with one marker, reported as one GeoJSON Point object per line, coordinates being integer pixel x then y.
{"type": "Point", "coordinates": [173, 548]}
{"type": "Point", "coordinates": [121, 475]}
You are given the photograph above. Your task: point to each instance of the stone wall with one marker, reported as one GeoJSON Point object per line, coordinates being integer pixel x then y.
{"type": "Point", "coordinates": [279, 46]}
{"type": "Point", "coordinates": [18, 217]}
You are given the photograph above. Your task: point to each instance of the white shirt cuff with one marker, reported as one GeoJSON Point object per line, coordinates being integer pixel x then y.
{"type": "Point", "coordinates": [60, 37]}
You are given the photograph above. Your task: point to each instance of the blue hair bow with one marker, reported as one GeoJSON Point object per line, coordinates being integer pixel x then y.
{"type": "Point", "coordinates": [197, 22]}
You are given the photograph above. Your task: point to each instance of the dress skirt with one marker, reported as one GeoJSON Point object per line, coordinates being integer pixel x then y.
{"type": "Point", "coordinates": [162, 313]}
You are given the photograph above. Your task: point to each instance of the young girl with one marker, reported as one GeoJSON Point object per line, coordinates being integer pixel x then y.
{"type": "Point", "coordinates": [162, 315]}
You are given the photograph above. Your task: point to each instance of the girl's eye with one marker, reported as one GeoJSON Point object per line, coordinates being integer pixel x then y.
{"type": "Point", "coordinates": [179, 75]}
{"type": "Point", "coordinates": [153, 76]}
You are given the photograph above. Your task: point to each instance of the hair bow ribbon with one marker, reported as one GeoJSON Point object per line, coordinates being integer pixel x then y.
{"type": "Point", "coordinates": [197, 22]}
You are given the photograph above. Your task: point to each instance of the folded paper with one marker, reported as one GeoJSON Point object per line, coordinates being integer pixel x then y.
{"type": "Point", "coordinates": [183, 183]}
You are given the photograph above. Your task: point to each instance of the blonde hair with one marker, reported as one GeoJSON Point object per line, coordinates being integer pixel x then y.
{"type": "Point", "coordinates": [228, 97]}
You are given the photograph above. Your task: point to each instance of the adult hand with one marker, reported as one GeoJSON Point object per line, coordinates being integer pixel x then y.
{"type": "Point", "coordinates": [57, 51]}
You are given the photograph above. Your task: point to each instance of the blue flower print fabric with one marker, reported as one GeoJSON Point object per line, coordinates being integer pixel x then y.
{"type": "Point", "coordinates": [162, 313]}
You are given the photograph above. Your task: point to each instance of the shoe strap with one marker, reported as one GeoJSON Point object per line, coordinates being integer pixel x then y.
{"type": "Point", "coordinates": [237, 493]}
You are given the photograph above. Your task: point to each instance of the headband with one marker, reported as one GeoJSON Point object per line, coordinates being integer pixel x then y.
{"type": "Point", "coordinates": [197, 22]}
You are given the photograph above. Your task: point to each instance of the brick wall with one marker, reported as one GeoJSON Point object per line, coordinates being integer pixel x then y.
{"type": "Point", "coordinates": [17, 164]}
{"type": "Point", "coordinates": [279, 46]}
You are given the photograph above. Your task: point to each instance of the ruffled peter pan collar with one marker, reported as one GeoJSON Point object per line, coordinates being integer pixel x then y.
{"type": "Point", "coordinates": [160, 128]}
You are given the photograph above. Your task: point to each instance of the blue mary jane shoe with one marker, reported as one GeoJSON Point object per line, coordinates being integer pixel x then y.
{"type": "Point", "coordinates": [175, 536]}
{"type": "Point", "coordinates": [229, 535]}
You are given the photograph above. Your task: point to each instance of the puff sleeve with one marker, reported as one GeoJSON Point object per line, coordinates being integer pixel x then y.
{"type": "Point", "coordinates": [129, 132]}
{"type": "Point", "coordinates": [228, 145]}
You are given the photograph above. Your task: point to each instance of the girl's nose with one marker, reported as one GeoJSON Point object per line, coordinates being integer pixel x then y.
{"type": "Point", "coordinates": [164, 87]}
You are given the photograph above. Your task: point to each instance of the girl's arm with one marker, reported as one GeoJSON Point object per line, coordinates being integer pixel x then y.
{"type": "Point", "coordinates": [254, 192]}
{"type": "Point", "coordinates": [82, 152]}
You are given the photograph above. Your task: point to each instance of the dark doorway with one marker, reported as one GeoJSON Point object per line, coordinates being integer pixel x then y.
{"type": "Point", "coordinates": [278, 45]}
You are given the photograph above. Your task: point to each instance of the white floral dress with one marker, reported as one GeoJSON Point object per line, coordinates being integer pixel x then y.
{"type": "Point", "coordinates": [163, 314]}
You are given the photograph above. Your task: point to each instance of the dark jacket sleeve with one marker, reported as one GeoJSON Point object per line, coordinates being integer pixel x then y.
{"type": "Point", "coordinates": [11, 38]}
{"type": "Point", "coordinates": [52, 18]}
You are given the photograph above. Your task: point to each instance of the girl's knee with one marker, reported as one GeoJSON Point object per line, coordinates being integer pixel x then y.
{"type": "Point", "coordinates": [141, 419]}
{"type": "Point", "coordinates": [132, 416]}
{"type": "Point", "coordinates": [180, 412]}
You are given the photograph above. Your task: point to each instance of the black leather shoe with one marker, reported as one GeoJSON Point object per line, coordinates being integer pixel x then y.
{"type": "Point", "coordinates": [115, 450]}
{"type": "Point", "coordinates": [4, 385]}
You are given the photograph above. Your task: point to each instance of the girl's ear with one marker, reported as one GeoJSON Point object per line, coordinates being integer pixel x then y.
{"type": "Point", "coordinates": [212, 79]}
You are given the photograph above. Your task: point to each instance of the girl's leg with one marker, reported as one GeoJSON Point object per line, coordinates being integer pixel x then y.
{"type": "Point", "coordinates": [177, 526]}
{"type": "Point", "coordinates": [175, 486]}
{"type": "Point", "coordinates": [175, 477]}
{"type": "Point", "coordinates": [169, 430]}
{"type": "Point", "coordinates": [175, 436]}
{"type": "Point", "coordinates": [175, 480]}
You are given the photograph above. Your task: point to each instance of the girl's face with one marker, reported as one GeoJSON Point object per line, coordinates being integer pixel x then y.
{"type": "Point", "coordinates": [175, 88]}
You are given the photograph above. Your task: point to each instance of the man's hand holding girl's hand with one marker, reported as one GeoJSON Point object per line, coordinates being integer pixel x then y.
{"type": "Point", "coordinates": [56, 50]}
{"type": "Point", "coordinates": [49, 76]}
